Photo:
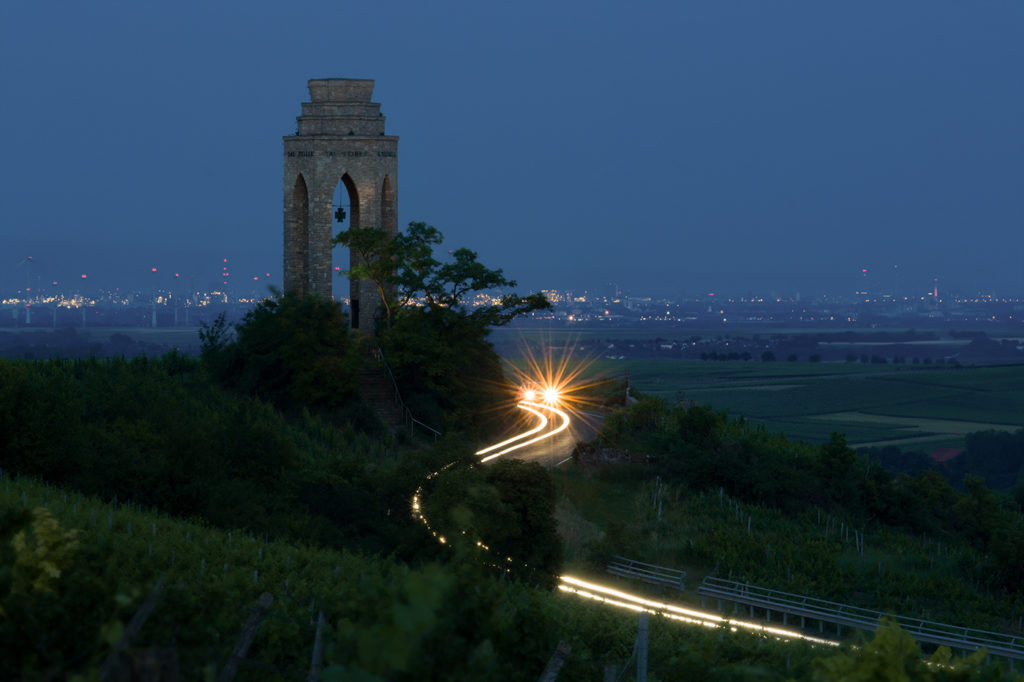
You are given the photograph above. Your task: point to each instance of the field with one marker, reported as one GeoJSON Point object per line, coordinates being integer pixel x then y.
{"type": "Point", "coordinates": [933, 407]}
{"type": "Point", "coordinates": [924, 407]}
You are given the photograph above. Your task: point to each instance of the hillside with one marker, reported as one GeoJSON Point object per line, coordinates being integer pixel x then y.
{"type": "Point", "coordinates": [220, 480]}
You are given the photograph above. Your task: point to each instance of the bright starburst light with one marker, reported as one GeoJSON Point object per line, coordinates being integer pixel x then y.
{"type": "Point", "coordinates": [559, 375]}
{"type": "Point", "coordinates": [550, 390]}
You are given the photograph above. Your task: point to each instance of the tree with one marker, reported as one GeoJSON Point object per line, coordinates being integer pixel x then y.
{"type": "Point", "coordinates": [509, 506]}
{"type": "Point", "coordinates": [433, 340]}
{"type": "Point", "coordinates": [836, 462]}
{"type": "Point", "coordinates": [398, 264]}
{"type": "Point", "coordinates": [402, 268]}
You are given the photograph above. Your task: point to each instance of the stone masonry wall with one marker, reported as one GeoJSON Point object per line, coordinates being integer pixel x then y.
{"type": "Point", "coordinates": [339, 136]}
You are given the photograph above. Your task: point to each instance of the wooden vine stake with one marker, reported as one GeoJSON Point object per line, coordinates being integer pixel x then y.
{"type": "Point", "coordinates": [246, 637]}
{"type": "Point", "coordinates": [317, 663]}
{"type": "Point", "coordinates": [555, 663]}
{"type": "Point", "coordinates": [110, 663]}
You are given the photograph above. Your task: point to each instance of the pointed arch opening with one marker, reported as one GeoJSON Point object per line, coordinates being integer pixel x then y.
{"type": "Point", "coordinates": [388, 216]}
{"type": "Point", "coordinates": [297, 248]}
{"type": "Point", "coordinates": [345, 216]}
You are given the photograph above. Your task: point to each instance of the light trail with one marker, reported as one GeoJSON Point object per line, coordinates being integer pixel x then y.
{"type": "Point", "coordinates": [588, 590]}
{"type": "Point", "coordinates": [607, 595]}
{"type": "Point", "coordinates": [529, 407]}
{"type": "Point", "coordinates": [632, 602]}
{"type": "Point", "coordinates": [513, 439]}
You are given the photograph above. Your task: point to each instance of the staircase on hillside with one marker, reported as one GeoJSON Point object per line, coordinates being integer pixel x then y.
{"type": "Point", "coordinates": [379, 393]}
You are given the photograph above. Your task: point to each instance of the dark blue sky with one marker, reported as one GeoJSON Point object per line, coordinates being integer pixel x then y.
{"type": "Point", "coordinates": [666, 146]}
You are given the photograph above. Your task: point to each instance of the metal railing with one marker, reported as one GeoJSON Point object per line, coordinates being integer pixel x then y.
{"type": "Point", "coordinates": [407, 418]}
{"type": "Point", "coordinates": [650, 573]}
{"type": "Point", "coordinates": [957, 637]}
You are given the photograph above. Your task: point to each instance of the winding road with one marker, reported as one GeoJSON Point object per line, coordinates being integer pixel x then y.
{"type": "Point", "coordinates": [550, 441]}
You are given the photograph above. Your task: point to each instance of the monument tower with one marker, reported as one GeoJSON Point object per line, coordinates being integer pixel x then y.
{"type": "Point", "coordinates": [339, 138]}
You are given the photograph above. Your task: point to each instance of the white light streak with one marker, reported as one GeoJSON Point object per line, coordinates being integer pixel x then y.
{"type": "Point", "coordinates": [634, 602]}
{"type": "Point", "coordinates": [513, 439]}
{"type": "Point", "coordinates": [530, 408]}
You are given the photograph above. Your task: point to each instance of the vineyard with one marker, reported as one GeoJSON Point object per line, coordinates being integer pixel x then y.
{"type": "Point", "coordinates": [710, 533]}
{"type": "Point", "coordinates": [384, 619]}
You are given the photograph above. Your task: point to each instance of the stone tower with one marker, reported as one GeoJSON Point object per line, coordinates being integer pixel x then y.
{"type": "Point", "coordinates": [340, 137]}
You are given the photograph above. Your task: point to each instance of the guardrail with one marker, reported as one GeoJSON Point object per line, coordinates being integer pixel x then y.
{"type": "Point", "coordinates": [998, 644]}
{"type": "Point", "coordinates": [650, 573]}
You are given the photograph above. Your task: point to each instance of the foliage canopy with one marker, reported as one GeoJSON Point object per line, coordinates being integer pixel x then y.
{"type": "Point", "coordinates": [403, 269]}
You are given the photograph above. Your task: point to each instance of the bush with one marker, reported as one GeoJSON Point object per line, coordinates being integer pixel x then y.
{"type": "Point", "coordinates": [294, 351]}
{"type": "Point", "coordinates": [58, 612]}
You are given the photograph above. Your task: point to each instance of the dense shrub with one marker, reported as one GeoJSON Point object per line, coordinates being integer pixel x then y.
{"type": "Point", "coordinates": [293, 351]}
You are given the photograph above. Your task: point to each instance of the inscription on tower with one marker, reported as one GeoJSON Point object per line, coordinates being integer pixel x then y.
{"type": "Point", "coordinates": [339, 138]}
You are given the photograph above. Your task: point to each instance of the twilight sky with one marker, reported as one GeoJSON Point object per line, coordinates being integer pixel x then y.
{"type": "Point", "coordinates": [672, 146]}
